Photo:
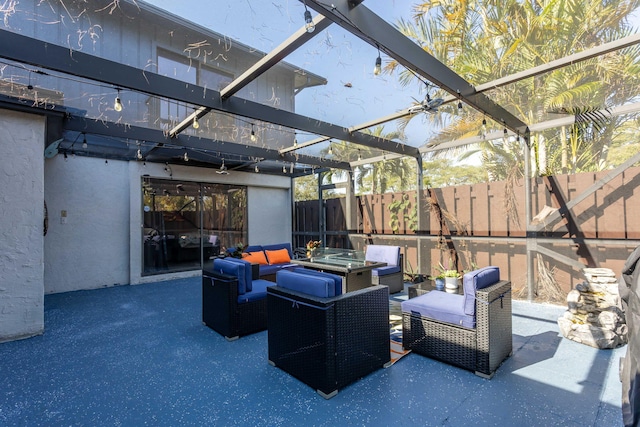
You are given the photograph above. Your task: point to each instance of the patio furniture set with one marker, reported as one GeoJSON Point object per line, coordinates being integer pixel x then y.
{"type": "Point", "coordinates": [328, 334]}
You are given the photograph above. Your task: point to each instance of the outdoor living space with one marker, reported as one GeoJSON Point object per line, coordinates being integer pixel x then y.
{"type": "Point", "coordinates": [140, 355]}
{"type": "Point", "coordinates": [164, 163]}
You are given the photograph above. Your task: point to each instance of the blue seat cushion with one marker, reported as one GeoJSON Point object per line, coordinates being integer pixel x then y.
{"type": "Point", "coordinates": [269, 269]}
{"type": "Point", "coordinates": [248, 274]}
{"type": "Point", "coordinates": [475, 280]}
{"type": "Point", "coordinates": [259, 291]}
{"type": "Point", "coordinates": [383, 271]}
{"type": "Point", "coordinates": [238, 268]}
{"type": "Point", "coordinates": [337, 280]}
{"type": "Point", "coordinates": [308, 284]}
{"type": "Point", "coordinates": [442, 306]}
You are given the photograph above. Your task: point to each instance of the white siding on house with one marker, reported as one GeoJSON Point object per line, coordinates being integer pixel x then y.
{"type": "Point", "coordinates": [90, 247]}
{"type": "Point", "coordinates": [21, 225]}
{"type": "Point", "coordinates": [269, 216]}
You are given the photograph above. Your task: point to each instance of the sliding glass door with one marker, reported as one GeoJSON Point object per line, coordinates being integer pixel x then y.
{"type": "Point", "coordinates": [187, 223]}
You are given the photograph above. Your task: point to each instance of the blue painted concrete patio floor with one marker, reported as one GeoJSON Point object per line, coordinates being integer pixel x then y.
{"type": "Point", "coordinates": [139, 355]}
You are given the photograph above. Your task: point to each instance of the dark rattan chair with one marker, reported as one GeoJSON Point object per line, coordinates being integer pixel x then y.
{"type": "Point", "coordinates": [328, 343]}
{"type": "Point", "coordinates": [227, 306]}
{"type": "Point", "coordinates": [480, 345]}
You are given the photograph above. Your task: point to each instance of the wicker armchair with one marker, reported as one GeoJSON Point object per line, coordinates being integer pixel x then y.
{"type": "Point", "coordinates": [391, 275]}
{"type": "Point", "coordinates": [479, 342]}
{"type": "Point", "coordinates": [233, 304]}
{"type": "Point", "coordinates": [328, 343]}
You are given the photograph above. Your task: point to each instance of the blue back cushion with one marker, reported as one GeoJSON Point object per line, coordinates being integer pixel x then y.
{"type": "Point", "coordinates": [474, 280]}
{"type": "Point", "coordinates": [238, 268]}
{"type": "Point", "coordinates": [308, 284]}
{"type": "Point", "coordinates": [231, 268]}
{"type": "Point", "coordinates": [248, 274]}
{"type": "Point", "coordinates": [254, 248]}
{"type": "Point", "coordinates": [337, 280]}
{"type": "Point", "coordinates": [277, 246]}
{"type": "Point", "coordinates": [383, 253]}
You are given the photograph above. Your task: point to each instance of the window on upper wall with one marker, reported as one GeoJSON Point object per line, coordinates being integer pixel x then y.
{"type": "Point", "coordinates": [171, 113]}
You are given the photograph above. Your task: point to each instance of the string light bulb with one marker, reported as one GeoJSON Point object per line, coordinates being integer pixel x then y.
{"type": "Point", "coordinates": [223, 169]}
{"type": "Point", "coordinates": [256, 169]}
{"type": "Point", "coordinates": [459, 105]}
{"type": "Point", "coordinates": [505, 136]}
{"type": "Point", "coordinates": [185, 157]}
{"type": "Point", "coordinates": [139, 154]}
{"type": "Point", "coordinates": [284, 169]}
{"type": "Point", "coordinates": [117, 104]}
{"type": "Point", "coordinates": [330, 149]}
{"type": "Point", "coordinates": [377, 69]}
{"type": "Point", "coordinates": [84, 141]}
{"type": "Point", "coordinates": [308, 20]}
{"type": "Point", "coordinates": [359, 155]}
{"type": "Point", "coordinates": [195, 123]}
{"type": "Point", "coordinates": [253, 134]}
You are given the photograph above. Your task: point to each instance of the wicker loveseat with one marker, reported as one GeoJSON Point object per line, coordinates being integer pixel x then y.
{"type": "Point", "coordinates": [233, 304]}
{"type": "Point", "coordinates": [269, 258]}
{"type": "Point", "coordinates": [327, 342]}
{"type": "Point", "coordinates": [472, 331]}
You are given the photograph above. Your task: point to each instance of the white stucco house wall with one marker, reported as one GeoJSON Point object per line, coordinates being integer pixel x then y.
{"type": "Point", "coordinates": [94, 207]}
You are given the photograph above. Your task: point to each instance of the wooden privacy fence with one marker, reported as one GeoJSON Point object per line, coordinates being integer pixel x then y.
{"type": "Point", "coordinates": [481, 225]}
{"type": "Point", "coordinates": [480, 209]}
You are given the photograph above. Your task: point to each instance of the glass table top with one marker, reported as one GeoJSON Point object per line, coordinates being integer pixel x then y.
{"type": "Point", "coordinates": [339, 257]}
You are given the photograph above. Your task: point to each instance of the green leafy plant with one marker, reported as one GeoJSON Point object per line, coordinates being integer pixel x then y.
{"type": "Point", "coordinates": [403, 207]}
{"type": "Point", "coordinates": [444, 272]}
{"type": "Point", "coordinates": [452, 273]}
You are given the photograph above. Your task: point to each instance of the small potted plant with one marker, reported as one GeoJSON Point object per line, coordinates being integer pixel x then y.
{"type": "Point", "coordinates": [440, 282]}
{"type": "Point", "coordinates": [452, 279]}
{"type": "Point", "coordinates": [439, 278]}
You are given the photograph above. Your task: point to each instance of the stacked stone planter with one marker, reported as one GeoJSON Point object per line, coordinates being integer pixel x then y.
{"type": "Point", "coordinates": [594, 317]}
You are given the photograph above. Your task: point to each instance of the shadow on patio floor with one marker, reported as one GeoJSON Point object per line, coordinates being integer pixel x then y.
{"type": "Point", "coordinates": [135, 355]}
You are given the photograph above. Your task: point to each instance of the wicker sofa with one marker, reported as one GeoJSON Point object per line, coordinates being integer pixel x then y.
{"type": "Point", "coordinates": [269, 258]}
{"type": "Point", "coordinates": [472, 331]}
{"type": "Point", "coordinates": [327, 342]}
{"type": "Point", "coordinates": [233, 303]}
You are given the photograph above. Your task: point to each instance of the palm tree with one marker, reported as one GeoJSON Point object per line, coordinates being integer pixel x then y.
{"type": "Point", "coordinates": [483, 41]}
{"type": "Point", "coordinates": [395, 174]}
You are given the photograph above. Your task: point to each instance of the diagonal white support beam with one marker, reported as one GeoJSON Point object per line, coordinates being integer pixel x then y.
{"type": "Point", "coordinates": [559, 257]}
{"type": "Point", "coordinates": [557, 215]}
{"type": "Point", "coordinates": [562, 62]}
{"type": "Point", "coordinates": [296, 40]}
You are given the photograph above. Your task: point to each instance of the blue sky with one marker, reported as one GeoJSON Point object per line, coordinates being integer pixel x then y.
{"type": "Point", "coordinates": [353, 94]}
{"type": "Point", "coordinates": [334, 54]}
